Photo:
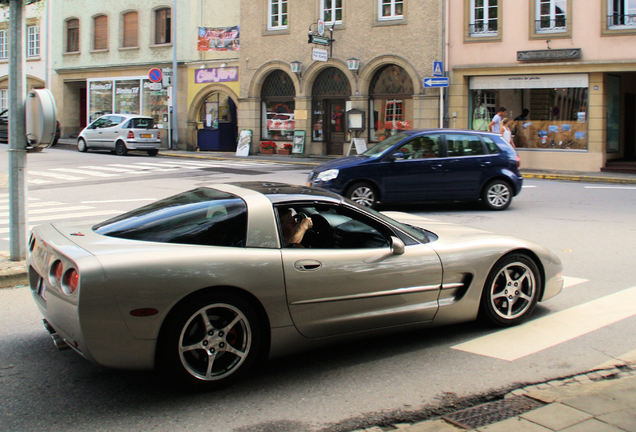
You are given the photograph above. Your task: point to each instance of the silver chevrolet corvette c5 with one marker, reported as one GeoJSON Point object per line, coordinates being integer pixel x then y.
{"type": "Point", "coordinates": [203, 284]}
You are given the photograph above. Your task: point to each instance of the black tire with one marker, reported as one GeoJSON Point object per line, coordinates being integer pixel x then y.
{"type": "Point", "coordinates": [362, 193]}
{"type": "Point", "coordinates": [233, 338]}
{"type": "Point", "coordinates": [82, 146]}
{"type": "Point", "coordinates": [511, 291]}
{"type": "Point", "coordinates": [120, 149]}
{"type": "Point", "coordinates": [497, 195]}
{"type": "Point", "coordinates": [153, 152]}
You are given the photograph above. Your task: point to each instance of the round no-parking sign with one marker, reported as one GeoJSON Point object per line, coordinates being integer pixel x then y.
{"type": "Point", "coordinates": [154, 75]}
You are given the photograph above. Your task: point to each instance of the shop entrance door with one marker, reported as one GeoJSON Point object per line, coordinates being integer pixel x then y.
{"type": "Point", "coordinates": [630, 128]}
{"type": "Point", "coordinates": [335, 127]}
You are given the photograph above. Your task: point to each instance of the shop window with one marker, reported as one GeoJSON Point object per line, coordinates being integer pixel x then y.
{"type": "Point", "coordinates": [542, 118]}
{"type": "Point", "coordinates": [100, 32]}
{"type": "Point", "coordinates": [33, 41]}
{"type": "Point", "coordinates": [4, 52]}
{"type": "Point", "coordinates": [390, 9]}
{"type": "Point", "coordinates": [277, 99]}
{"type": "Point", "coordinates": [72, 35]}
{"type": "Point", "coordinates": [390, 103]}
{"type": "Point", "coordinates": [215, 110]}
{"type": "Point", "coordinates": [131, 28]}
{"type": "Point", "coordinates": [155, 102]}
{"type": "Point", "coordinates": [277, 14]}
{"type": "Point", "coordinates": [484, 18]}
{"type": "Point", "coordinates": [329, 91]}
{"type": "Point", "coordinates": [100, 99]}
{"type": "Point", "coordinates": [127, 97]}
{"type": "Point", "coordinates": [331, 11]}
{"type": "Point", "coordinates": [621, 14]}
{"type": "Point", "coordinates": [484, 108]}
{"type": "Point", "coordinates": [162, 26]}
{"type": "Point", "coordinates": [550, 16]}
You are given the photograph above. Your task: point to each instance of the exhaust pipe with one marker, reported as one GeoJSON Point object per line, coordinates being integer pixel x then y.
{"type": "Point", "coordinates": [57, 340]}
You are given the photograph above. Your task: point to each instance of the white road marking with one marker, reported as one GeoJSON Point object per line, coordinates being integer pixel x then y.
{"type": "Point", "coordinates": [64, 218]}
{"type": "Point", "coordinates": [569, 281]}
{"type": "Point", "coordinates": [119, 200]}
{"type": "Point", "coordinates": [39, 181]}
{"type": "Point", "coordinates": [110, 168]}
{"type": "Point", "coordinates": [528, 186]}
{"type": "Point", "coordinates": [611, 187]}
{"type": "Point", "coordinates": [49, 210]}
{"type": "Point", "coordinates": [92, 173]}
{"type": "Point", "coordinates": [54, 175]}
{"type": "Point", "coordinates": [542, 333]}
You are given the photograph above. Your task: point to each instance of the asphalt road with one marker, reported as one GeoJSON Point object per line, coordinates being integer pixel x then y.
{"type": "Point", "coordinates": [399, 376]}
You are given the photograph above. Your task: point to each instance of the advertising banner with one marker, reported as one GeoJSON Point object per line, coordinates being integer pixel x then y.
{"type": "Point", "coordinates": [218, 39]}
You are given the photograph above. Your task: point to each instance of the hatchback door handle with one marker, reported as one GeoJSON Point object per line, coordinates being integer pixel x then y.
{"type": "Point", "coordinates": [307, 265]}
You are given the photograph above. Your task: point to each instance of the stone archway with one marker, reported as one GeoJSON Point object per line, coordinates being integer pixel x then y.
{"type": "Point", "coordinates": [212, 119]}
{"type": "Point", "coordinates": [330, 91]}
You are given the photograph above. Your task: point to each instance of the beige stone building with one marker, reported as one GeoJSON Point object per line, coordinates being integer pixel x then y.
{"type": "Point", "coordinates": [571, 64]}
{"type": "Point", "coordinates": [102, 53]}
{"type": "Point", "coordinates": [379, 53]}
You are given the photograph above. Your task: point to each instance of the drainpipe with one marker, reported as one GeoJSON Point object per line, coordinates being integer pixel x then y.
{"type": "Point", "coordinates": [175, 80]}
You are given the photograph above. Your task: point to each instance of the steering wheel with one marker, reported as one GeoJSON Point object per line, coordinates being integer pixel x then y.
{"type": "Point", "coordinates": [323, 232]}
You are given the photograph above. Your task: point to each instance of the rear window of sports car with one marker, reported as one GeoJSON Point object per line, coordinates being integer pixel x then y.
{"type": "Point", "coordinates": [199, 217]}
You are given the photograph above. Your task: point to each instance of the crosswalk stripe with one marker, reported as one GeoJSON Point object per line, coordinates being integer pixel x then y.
{"type": "Point", "coordinates": [35, 205]}
{"type": "Point", "coordinates": [154, 167]}
{"type": "Point", "coordinates": [39, 181]}
{"type": "Point", "coordinates": [542, 333]}
{"type": "Point", "coordinates": [49, 210]}
{"type": "Point", "coordinates": [64, 218]}
{"type": "Point", "coordinates": [110, 168]}
{"type": "Point", "coordinates": [85, 172]}
{"type": "Point", "coordinates": [54, 175]}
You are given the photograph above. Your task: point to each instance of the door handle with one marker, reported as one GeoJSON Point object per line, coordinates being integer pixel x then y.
{"type": "Point", "coordinates": [307, 265]}
{"type": "Point", "coordinates": [486, 163]}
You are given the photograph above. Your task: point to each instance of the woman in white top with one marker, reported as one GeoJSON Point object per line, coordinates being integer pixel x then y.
{"type": "Point", "coordinates": [505, 131]}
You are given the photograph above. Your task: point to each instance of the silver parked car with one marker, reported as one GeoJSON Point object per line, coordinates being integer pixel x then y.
{"type": "Point", "coordinates": [121, 133]}
{"type": "Point", "coordinates": [205, 285]}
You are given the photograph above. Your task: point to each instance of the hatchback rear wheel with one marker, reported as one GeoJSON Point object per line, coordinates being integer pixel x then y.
{"type": "Point", "coordinates": [153, 152]}
{"type": "Point", "coordinates": [362, 193]}
{"type": "Point", "coordinates": [120, 149]}
{"type": "Point", "coordinates": [81, 145]}
{"type": "Point", "coordinates": [497, 195]}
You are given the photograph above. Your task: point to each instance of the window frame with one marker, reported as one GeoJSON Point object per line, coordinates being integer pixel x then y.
{"type": "Point", "coordinates": [281, 16]}
{"type": "Point", "coordinates": [550, 33]}
{"type": "Point", "coordinates": [333, 8]}
{"type": "Point", "coordinates": [392, 16]}
{"type": "Point", "coordinates": [166, 38]}
{"type": "Point", "coordinates": [33, 41]}
{"type": "Point", "coordinates": [104, 37]}
{"type": "Point", "coordinates": [4, 44]}
{"type": "Point", "coordinates": [608, 29]}
{"type": "Point", "coordinates": [124, 29]}
{"type": "Point", "coordinates": [75, 31]}
{"type": "Point", "coordinates": [469, 14]}
{"type": "Point", "coordinates": [4, 99]}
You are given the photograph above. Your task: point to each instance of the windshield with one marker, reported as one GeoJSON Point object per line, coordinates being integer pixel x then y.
{"type": "Point", "coordinates": [382, 146]}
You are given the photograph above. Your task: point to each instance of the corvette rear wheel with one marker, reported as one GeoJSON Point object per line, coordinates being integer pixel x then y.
{"type": "Point", "coordinates": [211, 340]}
{"type": "Point", "coordinates": [511, 291]}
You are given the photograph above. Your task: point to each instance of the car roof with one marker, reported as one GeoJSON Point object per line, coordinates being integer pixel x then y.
{"type": "Point", "coordinates": [127, 116]}
{"type": "Point", "coordinates": [446, 130]}
{"type": "Point", "coordinates": [279, 192]}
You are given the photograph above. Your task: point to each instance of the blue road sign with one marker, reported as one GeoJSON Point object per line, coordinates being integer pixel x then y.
{"type": "Point", "coordinates": [438, 69]}
{"type": "Point", "coordinates": [436, 82]}
{"type": "Point", "coordinates": [154, 75]}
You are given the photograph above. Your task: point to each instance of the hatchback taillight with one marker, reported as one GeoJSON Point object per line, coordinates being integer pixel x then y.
{"type": "Point", "coordinates": [131, 135]}
{"type": "Point", "coordinates": [158, 134]}
{"type": "Point", "coordinates": [518, 162]}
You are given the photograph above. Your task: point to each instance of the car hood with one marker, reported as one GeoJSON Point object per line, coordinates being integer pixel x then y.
{"type": "Point", "coordinates": [342, 163]}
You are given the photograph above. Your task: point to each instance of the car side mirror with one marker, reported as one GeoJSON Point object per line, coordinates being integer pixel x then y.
{"type": "Point", "coordinates": [397, 246]}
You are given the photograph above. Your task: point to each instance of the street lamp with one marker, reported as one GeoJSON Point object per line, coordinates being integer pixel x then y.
{"type": "Point", "coordinates": [353, 64]}
{"type": "Point", "coordinates": [296, 67]}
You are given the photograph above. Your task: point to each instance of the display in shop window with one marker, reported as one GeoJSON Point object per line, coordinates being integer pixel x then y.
{"type": "Point", "coordinates": [278, 119]}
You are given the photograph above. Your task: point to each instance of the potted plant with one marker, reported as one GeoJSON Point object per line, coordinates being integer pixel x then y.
{"type": "Point", "coordinates": [268, 147]}
{"type": "Point", "coordinates": [285, 149]}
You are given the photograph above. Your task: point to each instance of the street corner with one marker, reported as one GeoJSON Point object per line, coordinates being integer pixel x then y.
{"type": "Point", "coordinates": [12, 273]}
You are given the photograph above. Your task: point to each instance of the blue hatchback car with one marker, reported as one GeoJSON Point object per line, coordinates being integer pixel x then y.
{"type": "Point", "coordinates": [427, 165]}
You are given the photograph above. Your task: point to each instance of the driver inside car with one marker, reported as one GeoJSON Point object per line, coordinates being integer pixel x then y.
{"type": "Point", "coordinates": [294, 227]}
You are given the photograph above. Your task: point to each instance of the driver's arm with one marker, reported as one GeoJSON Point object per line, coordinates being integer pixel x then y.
{"type": "Point", "coordinates": [301, 229]}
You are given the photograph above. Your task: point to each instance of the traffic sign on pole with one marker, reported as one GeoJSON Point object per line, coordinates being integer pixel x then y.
{"type": "Point", "coordinates": [438, 69]}
{"type": "Point", "coordinates": [154, 75]}
{"type": "Point", "coordinates": [436, 82]}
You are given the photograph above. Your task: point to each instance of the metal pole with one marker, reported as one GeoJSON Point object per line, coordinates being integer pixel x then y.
{"type": "Point", "coordinates": [17, 137]}
{"type": "Point", "coordinates": [175, 128]}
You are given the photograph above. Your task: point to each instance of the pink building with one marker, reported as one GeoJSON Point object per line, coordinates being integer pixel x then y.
{"type": "Point", "coordinates": [565, 69]}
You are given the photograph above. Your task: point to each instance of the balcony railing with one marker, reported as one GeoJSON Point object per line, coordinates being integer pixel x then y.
{"type": "Point", "coordinates": [546, 25]}
{"type": "Point", "coordinates": [621, 20]}
{"type": "Point", "coordinates": [483, 28]}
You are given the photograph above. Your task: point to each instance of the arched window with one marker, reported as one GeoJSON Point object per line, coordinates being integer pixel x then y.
{"type": "Point", "coordinates": [390, 102]}
{"type": "Point", "coordinates": [163, 22]}
{"type": "Point", "coordinates": [131, 29]}
{"type": "Point", "coordinates": [72, 35]}
{"type": "Point", "coordinates": [100, 32]}
{"type": "Point", "coordinates": [277, 100]}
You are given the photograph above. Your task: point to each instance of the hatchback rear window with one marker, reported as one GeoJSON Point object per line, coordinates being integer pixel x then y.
{"type": "Point", "coordinates": [141, 123]}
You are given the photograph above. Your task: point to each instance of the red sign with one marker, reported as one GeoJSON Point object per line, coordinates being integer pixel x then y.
{"type": "Point", "coordinates": [154, 75]}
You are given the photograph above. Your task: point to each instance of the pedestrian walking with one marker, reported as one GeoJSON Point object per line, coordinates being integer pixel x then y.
{"type": "Point", "coordinates": [495, 124]}
{"type": "Point", "coordinates": [506, 133]}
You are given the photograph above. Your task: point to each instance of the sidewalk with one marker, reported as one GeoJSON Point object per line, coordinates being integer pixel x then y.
{"type": "Point", "coordinates": [598, 401]}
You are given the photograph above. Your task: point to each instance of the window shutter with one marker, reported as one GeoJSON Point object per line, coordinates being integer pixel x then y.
{"type": "Point", "coordinates": [130, 29]}
{"type": "Point", "coordinates": [72, 35]}
{"type": "Point", "coordinates": [101, 33]}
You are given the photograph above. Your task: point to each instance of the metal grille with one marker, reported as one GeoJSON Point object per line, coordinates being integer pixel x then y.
{"type": "Point", "coordinates": [332, 83]}
{"type": "Point", "coordinates": [278, 84]}
{"type": "Point", "coordinates": [492, 412]}
{"type": "Point", "coordinates": [391, 80]}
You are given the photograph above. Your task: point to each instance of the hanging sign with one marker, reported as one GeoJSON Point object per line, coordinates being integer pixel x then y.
{"type": "Point", "coordinates": [319, 54]}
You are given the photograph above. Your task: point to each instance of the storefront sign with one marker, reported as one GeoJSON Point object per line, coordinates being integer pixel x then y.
{"type": "Point", "coordinates": [213, 75]}
{"type": "Point", "coordinates": [529, 81]}
{"type": "Point", "coordinates": [550, 54]}
{"type": "Point", "coordinates": [218, 38]}
{"type": "Point", "coordinates": [319, 54]}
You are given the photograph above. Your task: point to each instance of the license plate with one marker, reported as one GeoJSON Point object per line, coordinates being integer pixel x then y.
{"type": "Point", "coordinates": [146, 135]}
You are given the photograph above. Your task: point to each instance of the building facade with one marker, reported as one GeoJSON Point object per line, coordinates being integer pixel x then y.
{"type": "Point", "coordinates": [35, 50]}
{"type": "Point", "coordinates": [304, 65]}
{"type": "Point", "coordinates": [103, 53]}
{"type": "Point", "coordinates": [567, 75]}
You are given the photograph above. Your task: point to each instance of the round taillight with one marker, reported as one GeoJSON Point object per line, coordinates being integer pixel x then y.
{"type": "Point", "coordinates": [71, 281]}
{"type": "Point", "coordinates": [55, 275]}
{"type": "Point", "coordinates": [131, 135]}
